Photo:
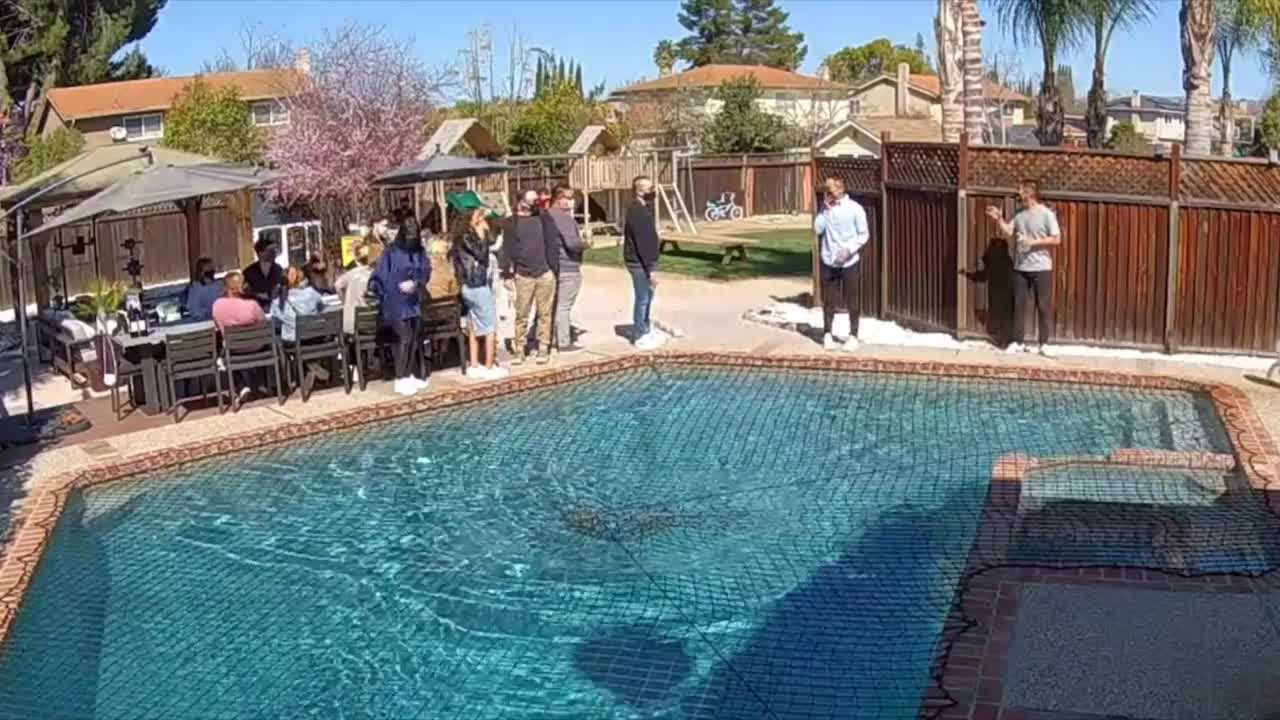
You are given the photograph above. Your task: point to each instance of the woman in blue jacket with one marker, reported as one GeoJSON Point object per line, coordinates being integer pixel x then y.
{"type": "Point", "coordinates": [402, 273]}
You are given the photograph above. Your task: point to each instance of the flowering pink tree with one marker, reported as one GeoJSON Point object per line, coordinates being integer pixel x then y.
{"type": "Point", "coordinates": [357, 108]}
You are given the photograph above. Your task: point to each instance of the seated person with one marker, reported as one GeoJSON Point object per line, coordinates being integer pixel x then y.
{"type": "Point", "coordinates": [203, 292]}
{"type": "Point", "coordinates": [263, 278]}
{"type": "Point", "coordinates": [294, 299]}
{"type": "Point", "coordinates": [317, 273]}
{"type": "Point", "coordinates": [234, 309]}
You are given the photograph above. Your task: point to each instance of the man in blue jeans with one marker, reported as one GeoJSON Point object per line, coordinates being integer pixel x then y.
{"type": "Point", "coordinates": [640, 253]}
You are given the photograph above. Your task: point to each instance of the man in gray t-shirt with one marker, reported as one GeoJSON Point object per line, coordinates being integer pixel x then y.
{"type": "Point", "coordinates": [1034, 230]}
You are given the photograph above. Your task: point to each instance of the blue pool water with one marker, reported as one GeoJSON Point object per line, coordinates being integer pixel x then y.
{"type": "Point", "coordinates": [660, 543]}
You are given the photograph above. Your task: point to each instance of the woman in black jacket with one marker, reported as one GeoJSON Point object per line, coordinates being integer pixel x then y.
{"type": "Point", "coordinates": [470, 250]}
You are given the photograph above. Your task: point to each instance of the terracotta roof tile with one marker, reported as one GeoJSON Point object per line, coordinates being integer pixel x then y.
{"type": "Point", "coordinates": [711, 76]}
{"type": "Point", "coordinates": [131, 96]}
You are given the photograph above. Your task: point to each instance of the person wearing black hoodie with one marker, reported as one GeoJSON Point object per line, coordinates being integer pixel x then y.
{"type": "Point", "coordinates": [527, 269]}
{"type": "Point", "coordinates": [399, 281]}
{"type": "Point", "coordinates": [640, 254]}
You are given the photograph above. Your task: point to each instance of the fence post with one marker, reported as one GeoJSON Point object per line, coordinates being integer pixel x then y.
{"type": "Point", "coordinates": [962, 234]}
{"type": "Point", "coordinates": [885, 138]}
{"type": "Point", "coordinates": [816, 260]}
{"type": "Point", "coordinates": [1175, 251]}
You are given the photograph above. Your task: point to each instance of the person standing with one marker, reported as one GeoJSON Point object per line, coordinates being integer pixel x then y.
{"type": "Point", "coordinates": [640, 254]}
{"type": "Point", "coordinates": [564, 237]}
{"type": "Point", "coordinates": [1034, 230]}
{"type": "Point", "coordinates": [841, 227]}
{"type": "Point", "coordinates": [264, 276]}
{"type": "Point", "coordinates": [353, 285]}
{"type": "Point", "coordinates": [399, 278]}
{"type": "Point", "coordinates": [470, 255]}
{"type": "Point", "coordinates": [524, 265]}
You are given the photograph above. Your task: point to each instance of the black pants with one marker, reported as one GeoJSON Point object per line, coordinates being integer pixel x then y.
{"type": "Point", "coordinates": [408, 346]}
{"type": "Point", "coordinates": [1026, 284]}
{"type": "Point", "coordinates": [840, 283]}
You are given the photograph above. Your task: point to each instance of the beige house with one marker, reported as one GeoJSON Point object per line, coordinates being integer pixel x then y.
{"type": "Point", "coordinates": [134, 110]}
{"type": "Point", "coordinates": [800, 100]}
{"type": "Point", "coordinates": [921, 96]}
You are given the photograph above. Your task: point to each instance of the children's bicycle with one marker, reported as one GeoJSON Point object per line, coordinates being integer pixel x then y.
{"type": "Point", "coordinates": [725, 209]}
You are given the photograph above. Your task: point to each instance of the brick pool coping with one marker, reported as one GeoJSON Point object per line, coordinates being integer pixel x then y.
{"type": "Point", "coordinates": [955, 694]}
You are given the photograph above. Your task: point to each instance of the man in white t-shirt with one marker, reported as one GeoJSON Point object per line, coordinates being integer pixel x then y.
{"type": "Point", "coordinates": [1035, 230]}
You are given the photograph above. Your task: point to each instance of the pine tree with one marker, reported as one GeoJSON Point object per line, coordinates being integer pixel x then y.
{"type": "Point", "coordinates": [920, 46]}
{"type": "Point", "coordinates": [539, 78]}
{"type": "Point", "coordinates": [1067, 89]}
{"type": "Point", "coordinates": [738, 32]}
{"type": "Point", "coordinates": [577, 77]}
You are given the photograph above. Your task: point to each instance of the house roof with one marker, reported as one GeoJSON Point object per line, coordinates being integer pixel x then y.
{"type": "Point", "coordinates": [991, 89]}
{"type": "Point", "coordinates": [1147, 103]}
{"type": "Point", "coordinates": [712, 76]}
{"type": "Point", "coordinates": [908, 129]}
{"type": "Point", "coordinates": [151, 94]}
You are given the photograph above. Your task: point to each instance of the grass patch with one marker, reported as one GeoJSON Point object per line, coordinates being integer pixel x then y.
{"type": "Point", "coordinates": [781, 252]}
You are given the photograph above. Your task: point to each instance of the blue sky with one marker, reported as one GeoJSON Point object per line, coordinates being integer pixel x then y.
{"type": "Point", "coordinates": [614, 39]}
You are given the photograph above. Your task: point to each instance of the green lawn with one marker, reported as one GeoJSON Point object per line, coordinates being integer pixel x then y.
{"type": "Point", "coordinates": [777, 252]}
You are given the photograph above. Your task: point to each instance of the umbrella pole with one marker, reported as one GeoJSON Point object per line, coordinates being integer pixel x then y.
{"type": "Point", "coordinates": [22, 323]}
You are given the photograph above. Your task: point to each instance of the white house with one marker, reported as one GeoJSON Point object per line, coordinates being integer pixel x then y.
{"type": "Point", "coordinates": [1161, 120]}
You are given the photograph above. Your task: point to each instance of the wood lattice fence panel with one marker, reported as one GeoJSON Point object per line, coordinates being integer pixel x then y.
{"type": "Point", "coordinates": [1104, 173]}
{"type": "Point", "coordinates": [923, 164]}
{"type": "Point", "coordinates": [860, 175]}
{"type": "Point", "coordinates": [1242, 181]}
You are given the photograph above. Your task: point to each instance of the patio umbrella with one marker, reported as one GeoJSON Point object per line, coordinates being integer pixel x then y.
{"type": "Point", "coordinates": [440, 167]}
{"type": "Point", "coordinates": [161, 184]}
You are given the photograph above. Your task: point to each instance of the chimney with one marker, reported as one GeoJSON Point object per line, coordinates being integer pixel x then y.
{"type": "Point", "coordinates": [824, 73]}
{"type": "Point", "coordinates": [1135, 100]}
{"type": "Point", "coordinates": [900, 97]}
{"type": "Point", "coordinates": [1243, 106]}
{"type": "Point", "coordinates": [302, 61]}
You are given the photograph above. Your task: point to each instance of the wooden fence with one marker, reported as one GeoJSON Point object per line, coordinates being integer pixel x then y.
{"type": "Point", "coordinates": [1173, 253]}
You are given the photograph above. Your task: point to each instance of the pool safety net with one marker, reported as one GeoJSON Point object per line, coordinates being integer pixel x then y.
{"type": "Point", "coordinates": [659, 543]}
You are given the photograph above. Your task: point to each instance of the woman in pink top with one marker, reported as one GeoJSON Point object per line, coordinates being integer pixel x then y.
{"type": "Point", "coordinates": [233, 309]}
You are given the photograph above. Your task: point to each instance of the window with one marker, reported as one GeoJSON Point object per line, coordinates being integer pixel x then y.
{"type": "Point", "coordinates": [144, 127]}
{"type": "Point", "coordinates": [270, 112]}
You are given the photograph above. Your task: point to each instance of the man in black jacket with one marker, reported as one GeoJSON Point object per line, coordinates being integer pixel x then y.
{"type": "Point", "coordinates": [525, 268]}
{"type": "Point", "coordinates": [640, 253]}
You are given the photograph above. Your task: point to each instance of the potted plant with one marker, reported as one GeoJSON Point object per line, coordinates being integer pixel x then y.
{"type": "Point", "coordinates": [99, 308]}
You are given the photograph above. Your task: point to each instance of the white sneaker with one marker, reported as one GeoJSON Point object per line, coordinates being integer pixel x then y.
{"type": "Point", "coordinates": [828, 342]}
{"type": "Point", "coordinates": [851, 344]}
{"type": "Point", "coordinates": [497, 372]}
{"type": "Point", "coordinates": [1015, 348]}
{"type": "Point", "coordinates": [420, 384]}
{"type": "Point", "coordinates": [478, 372]}
{"type": "Point", "coordinates": [1046, 352]}
{"type": "Point", "coordinates": [405, 387]}
{"type": "Point", "coordinates": [355, 375]}
{"type": "Point", "coordinates": [645, 341]}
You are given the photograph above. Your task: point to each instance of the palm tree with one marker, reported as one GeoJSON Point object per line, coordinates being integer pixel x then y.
{"type": "Point", "coordinates": [974, 97]}
{"type": "Point", "coordinates": [1197, 22]}
{"type": "Point", "coordinates": [1054, 25]}
{"type": "Point", "coordinates": [1240, 26]}
{"type": "Point", "coordinates": [1103, 18]}
{"type": "Point", "coordinates": [948, 28]}
{"type": "Point", "coordinates": [664, 56]}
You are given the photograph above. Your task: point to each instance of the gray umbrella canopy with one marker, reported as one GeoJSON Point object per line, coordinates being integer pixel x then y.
{"type": "Point", "coordinates": [161, 184]}
{"type": "Point", "coordinates": [440, 167]}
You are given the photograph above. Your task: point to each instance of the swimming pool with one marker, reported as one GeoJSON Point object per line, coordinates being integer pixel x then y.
{"type": "Point", "coordinates": [662, 542]}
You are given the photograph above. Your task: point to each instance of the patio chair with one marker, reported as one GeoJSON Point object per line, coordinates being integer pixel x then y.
{"type": "Point", "coordinates": [192, 356]}
{"type": "Point", "coordinates": [368, 341]}
{"type": "Point", "coordinates": [442, 323]}
{"type": "Point", "coordinates": [317, 337]}
{"type": "Point", "coordinates": [251, 347]}
{"type": "Point", "coordinates": [126, 373]}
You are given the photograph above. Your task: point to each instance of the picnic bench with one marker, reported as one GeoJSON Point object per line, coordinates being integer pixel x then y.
{"type": "Point", "coordinates": [732, 248]}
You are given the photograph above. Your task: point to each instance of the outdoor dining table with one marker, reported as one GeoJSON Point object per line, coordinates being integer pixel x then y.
{"type": "Point", "coordinates": [147, 351]}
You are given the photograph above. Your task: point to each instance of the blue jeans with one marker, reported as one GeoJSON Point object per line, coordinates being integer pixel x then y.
{"type": "Point", "coordinates": [644, 299]}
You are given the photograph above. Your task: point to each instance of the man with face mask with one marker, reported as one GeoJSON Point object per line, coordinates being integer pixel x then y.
{"type": "Point", "coordinates": [640, 253]}
{"type": "Point", "coordinates": [526, 270]}
{"type": "Point", "coordinates": [203, 292]}
{"type": "Point", "coordinates": [565, 241]}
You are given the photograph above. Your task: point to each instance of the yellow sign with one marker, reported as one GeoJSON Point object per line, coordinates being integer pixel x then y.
{"type": "Point", "coordinates": [349, 243]}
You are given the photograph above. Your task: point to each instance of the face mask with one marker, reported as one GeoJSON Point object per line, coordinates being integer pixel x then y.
{"type": "Point", "coordinates": [208, 276]}
{"type": "Point", "coordinates": [649, 196]}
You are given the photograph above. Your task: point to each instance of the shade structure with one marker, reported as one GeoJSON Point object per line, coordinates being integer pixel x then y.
{"type": "Point", "coordinates": [440, 167]}
{"type": "Point", "coordinates": [93, 171]}
{"type": "Point", "coordinates": [161, 184]}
